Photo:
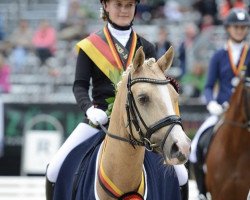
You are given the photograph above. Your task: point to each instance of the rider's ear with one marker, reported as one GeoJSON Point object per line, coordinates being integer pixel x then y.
{"type": "Point", "coordinates": [138, 59]}
{"type": "Point", "coordinates": [166, 60]}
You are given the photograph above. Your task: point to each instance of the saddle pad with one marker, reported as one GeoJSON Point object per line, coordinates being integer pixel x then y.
{"type": "Point", "coordinates": [162, 182]}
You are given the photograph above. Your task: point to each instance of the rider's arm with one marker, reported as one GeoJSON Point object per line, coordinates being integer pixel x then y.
{"type": "Point", "coordinates": [82, 81]}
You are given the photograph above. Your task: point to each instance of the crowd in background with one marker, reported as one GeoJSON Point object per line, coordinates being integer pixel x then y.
{"type": "Point", "coordinates": [41, 45]}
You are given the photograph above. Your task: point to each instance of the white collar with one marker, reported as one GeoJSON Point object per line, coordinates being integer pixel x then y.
{"type": "Point", "coordinates": [121, 36]}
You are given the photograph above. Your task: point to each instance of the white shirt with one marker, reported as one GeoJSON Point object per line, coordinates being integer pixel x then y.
{"type": "Point", "coordinates": [121, 36]}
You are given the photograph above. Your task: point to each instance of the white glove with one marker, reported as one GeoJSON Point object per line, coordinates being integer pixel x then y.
{"type": "Point", "coordinates": [214, 108]}
{"type": "Point", "coordinates": [96, 115]}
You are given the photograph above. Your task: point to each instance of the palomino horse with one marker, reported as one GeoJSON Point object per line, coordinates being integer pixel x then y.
{"type": "Point", "coordinates": [228, 158]}
{"type": "Point", "coordinates": [144, 117]}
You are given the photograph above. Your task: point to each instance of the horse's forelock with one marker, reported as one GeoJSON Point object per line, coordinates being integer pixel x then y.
{"type": "Point", "coordinates": [149, 62]}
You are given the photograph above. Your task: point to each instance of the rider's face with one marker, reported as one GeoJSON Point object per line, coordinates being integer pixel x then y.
{"type": "Point", "coordinates": [237, 32]}
{"type": "Point", "coordinates": [121, 12]}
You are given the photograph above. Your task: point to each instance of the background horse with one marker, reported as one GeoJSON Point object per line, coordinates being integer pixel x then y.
{"type": "Point", "coordinates": [116, 165]}
{"type": "Point", "coordinates": [228, 158]}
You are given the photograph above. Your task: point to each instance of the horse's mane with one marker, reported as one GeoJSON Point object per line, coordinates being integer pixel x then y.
{"type": "Point", "coordinates": [149, 62]}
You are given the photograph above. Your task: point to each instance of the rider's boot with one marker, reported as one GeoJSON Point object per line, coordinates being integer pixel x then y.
{"type": "Point", "coordinates": [49, 189]}
{"type": "Point", "coordinates": [184, 191]}
{"type": "Point", "coordinates": [200, 178]}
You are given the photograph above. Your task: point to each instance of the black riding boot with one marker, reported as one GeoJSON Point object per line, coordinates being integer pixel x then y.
{"type": "Point", "coordinates": [49, 189]}
{"type": "Point", "coordinates": [200, 178]}
{"type": "Point", "coordinates": [184, 191]}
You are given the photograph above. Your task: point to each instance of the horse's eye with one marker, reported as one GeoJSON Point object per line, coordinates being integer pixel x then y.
{"type": "Point", "coordinates": [143, 99]}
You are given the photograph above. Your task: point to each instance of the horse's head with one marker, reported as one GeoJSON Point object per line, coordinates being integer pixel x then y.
{"type": "Point", "coordinates": [151, 113]}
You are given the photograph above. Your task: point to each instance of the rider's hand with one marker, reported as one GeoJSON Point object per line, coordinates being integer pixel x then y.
{"type": "Point", "coordinates": [214, 108]}
{"type": "Point", "coordinates": [96, 115]}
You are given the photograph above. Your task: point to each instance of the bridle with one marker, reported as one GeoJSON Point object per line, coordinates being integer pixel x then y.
{"type": "Point", "coordinates": [134, 118]}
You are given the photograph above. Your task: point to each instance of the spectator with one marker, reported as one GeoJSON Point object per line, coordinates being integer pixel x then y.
{"type": "Point", "coordinates": [20, 41]}
{"type": "Point", "coordinates": [162, 43]}
{"type": "Point", "coordinates": [1, 29]}
{"type": "Point", "coordinates": [4, 76]}
{"type": "Point", "coordinates": [73, 27]}
{"type": "Point", "coordinates": [205, 8]}
{"type": "Point", "coordinates": [227, 5]}
{"type": "Point", "coordinates": [44, 41]}
{"type": "Point", "coordinates": [172, 11]}
{"type": "Point", "coordinates": [193, 82]}
{"type": "Point", "coordinates": [62, 10]}
{"type": "Point", "coordinates": [144, 11]}
{"type": "Point", "coordinates": [207, 22]}
{"type": "Point", "coordinates": [191, 32]}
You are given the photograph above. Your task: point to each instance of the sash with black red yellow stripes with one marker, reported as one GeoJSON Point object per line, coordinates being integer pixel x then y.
{"type": "Point", "coordinates": [106, 52]}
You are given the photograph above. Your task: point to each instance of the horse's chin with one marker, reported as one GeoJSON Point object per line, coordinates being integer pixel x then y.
{"type": "Point", "coordinates": [174, 161]}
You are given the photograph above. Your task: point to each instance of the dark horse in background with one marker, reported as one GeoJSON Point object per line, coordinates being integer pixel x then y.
{"type": "Point", "coordinates": [228, 157]}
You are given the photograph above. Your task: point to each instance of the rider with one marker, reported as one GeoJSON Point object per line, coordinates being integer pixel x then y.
{"type": "Point", "coordinates": [113, 47]}
{"type": "Point", "coordinates": [225, 66]}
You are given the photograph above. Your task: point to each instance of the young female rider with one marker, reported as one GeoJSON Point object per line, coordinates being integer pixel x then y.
{"type": "Point", "coordinates": [111, 48]}
{"type": "Point", "coordinates": [117, 34]}
{"type": "Point", "coordinates": [224, 68]}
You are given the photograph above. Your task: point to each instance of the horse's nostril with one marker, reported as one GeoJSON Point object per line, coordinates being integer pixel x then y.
{"type": "Point", "coordinates": [174, 150]}
{"type": "Point", "coordinates": [176, 153]}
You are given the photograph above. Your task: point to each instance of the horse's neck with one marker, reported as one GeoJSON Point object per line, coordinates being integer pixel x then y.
{"type": "Point", "coordinates": [236, 111]}
{"type": "Point", "coordinates": [121, 162]}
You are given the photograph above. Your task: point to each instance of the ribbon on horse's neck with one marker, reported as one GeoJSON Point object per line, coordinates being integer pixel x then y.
{"type": "Point", "coordinates": [134, 118]}
{"type": "Point", "coordinates": [111, 189]}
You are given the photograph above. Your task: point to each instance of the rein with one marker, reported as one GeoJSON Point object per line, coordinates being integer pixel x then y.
{"type": "Point", "coordinates": [134, 118]}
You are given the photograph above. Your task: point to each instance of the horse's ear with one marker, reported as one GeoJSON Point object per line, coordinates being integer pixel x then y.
{"type": "Point", "coordinates": [166, 60]}
{"type": "Point", "coordinates": [139, 58]}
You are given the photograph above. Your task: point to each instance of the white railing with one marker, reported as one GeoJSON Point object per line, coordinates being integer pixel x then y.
{"type": "Point", "coordinates": [22, 188]}
{"type": "Point", "coordinates": [33, 188]}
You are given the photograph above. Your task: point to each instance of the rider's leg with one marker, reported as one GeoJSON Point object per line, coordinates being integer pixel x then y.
{"type": "Point", "coordinates": [49, 188]}
{"type": "Point", "coordinates": [200, 178]}
{"type": "Point", "coordinates": [201, 152]}
{"type": "Point", "coordinates": [81, 133]}
{"type": "Point", "coordinates": [198, 169]}
{"type": "Point", "coordinates": [182, 175]}
{"type": "Point", "coordinates": [197, 153]}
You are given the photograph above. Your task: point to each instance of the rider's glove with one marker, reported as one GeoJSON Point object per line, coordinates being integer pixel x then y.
{"type": "Point", "coordinates": [214, 108]}
{"type": "Point", "coordinates": [96, 115]}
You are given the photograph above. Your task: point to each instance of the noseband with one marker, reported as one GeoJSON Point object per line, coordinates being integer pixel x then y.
{"type": "Point", "coordinates": [134, 118]}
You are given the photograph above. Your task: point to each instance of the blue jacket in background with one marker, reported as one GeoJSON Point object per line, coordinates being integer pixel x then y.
{"type": "Point", "coordinates": [220, 70]}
